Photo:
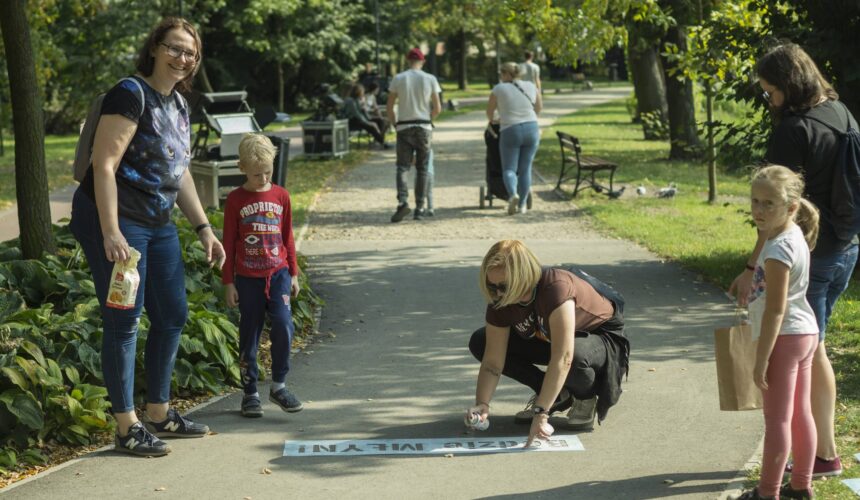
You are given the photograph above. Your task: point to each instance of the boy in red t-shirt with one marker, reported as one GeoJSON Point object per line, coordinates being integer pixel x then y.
{"type": "Point", "coordinates": [260, 271]}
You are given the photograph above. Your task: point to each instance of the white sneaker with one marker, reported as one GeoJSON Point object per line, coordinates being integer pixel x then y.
{"type": "Point", "coordinates": [525, 416]}
{"type": "Point", "coordinates": [581, 414]}
{"type": "Point", "coordinates": [523, 210]}
{"type": "Point", "coordinates": [513, 203]}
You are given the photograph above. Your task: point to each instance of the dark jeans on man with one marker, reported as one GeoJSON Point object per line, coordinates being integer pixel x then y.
{"type": "Point", "coordinates": [412, 142]}
{"type": "Point", "coordinates": [161, 292]}
{"type": "Point", "coordinates": [257, 298]}
{"type": "Point", "coordinates": [523, 356]}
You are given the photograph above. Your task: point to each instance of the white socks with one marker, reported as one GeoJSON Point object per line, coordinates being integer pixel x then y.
{"type": "Point", "coordinates": [277, 386]}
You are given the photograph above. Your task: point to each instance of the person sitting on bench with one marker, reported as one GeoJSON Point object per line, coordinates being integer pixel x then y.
{"type": "Point", "coordinates": [358, 120]}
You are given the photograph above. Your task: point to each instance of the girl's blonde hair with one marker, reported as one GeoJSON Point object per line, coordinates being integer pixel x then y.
{"type": "Point", "coordinates": [791, 185]}
{"type": "Point", "coordinates": [510, 68]}
{"type": "Point", "coordinates": [256, 149]}
{"type": "Point", "coordinates": [522, 271]}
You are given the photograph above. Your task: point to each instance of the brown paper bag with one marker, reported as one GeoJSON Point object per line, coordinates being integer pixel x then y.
{"type": "Point", "coordinates": [735, 353]}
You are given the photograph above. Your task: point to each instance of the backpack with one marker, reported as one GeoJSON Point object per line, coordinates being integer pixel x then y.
{"type": "Point", "coordinates": [844, 210]}
{"type": "Point", "coordinates": [84, 148]}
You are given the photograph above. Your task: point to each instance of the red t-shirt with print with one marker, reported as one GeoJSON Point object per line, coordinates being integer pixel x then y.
{"type": "Point", "coordinates": [258, 234]}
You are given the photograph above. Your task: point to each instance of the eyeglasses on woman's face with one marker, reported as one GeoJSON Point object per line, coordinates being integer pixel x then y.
{"type": "Point", "coordinates": [766, 96]}
{"type": "Point", "coordinates": [497, 288]}
{"type": "Point", "coordinates": [177, 52]}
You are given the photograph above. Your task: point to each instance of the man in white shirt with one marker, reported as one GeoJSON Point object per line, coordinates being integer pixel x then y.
{"type": "Point", "coordinates": [529, 71]}
{"type": "Point", "coordinates": [416, 94]}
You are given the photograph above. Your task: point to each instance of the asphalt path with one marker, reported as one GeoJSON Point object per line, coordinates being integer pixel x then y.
{"type": "Point", "coordinates": [391, 362]}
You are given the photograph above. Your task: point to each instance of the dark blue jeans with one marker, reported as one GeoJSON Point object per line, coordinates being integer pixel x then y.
{"type": "Point", "coordinates": [828, 278]}
{"type": "Point", "coordinates": [254, 304]}
{"type": "Point", "coordinates": [161, 292]}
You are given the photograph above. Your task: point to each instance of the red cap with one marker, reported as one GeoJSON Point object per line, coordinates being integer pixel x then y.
{"type": "Point", "coordinates": [415, 54]}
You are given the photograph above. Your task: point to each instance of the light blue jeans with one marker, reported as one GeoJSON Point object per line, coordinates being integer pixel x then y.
{"type": "Point", "coordinates": [828, 278]}
{"type": "Point", "coordinates": [517, 146]}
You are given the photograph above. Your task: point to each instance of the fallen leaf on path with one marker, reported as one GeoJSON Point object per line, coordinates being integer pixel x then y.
{"type": "Point", "coordinates": [652, 369]}
{"type": "Point", "coordinates": [213, 433]}
{"type": "Point", "coordinates": [338, 384]}
{"type": "Point", "coordinates": [161, 488]}
{"type": "Point", "coordinates": [668, 481]}
{"type": "Point", "coordinates": [449, 455]}
{"type": "Point", "coordinates": [266, 471]}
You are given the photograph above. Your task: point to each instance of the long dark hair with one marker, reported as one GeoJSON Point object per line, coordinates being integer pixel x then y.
{"type": "Point", "coordinates": [146, 61]}
{"type": "Point", "coordinates": [790, 69]}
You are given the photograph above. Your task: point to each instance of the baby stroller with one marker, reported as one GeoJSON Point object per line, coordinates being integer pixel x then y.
{"type": "Point", "coordinates": [494, 186]}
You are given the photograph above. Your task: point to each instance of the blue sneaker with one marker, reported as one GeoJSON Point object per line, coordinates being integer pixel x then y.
{"type": "Point", "coordinates": [175, 425]}
{"type": "Point", "coordinates": [251, 406]}
{"type": "Point", "coordinates": [140, 442]}
{"type": "Point", "coordinates": [286, 400]}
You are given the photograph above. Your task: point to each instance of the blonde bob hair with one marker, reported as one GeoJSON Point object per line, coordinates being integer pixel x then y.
{"type": "Point", "coordinates": [256, 149]}
{"type": "Point", "coordinates": [511, 69]}
{"type": "Point", "coordinates": [522, 271]}
{"type": "Point", "coordinates": [790, 185]}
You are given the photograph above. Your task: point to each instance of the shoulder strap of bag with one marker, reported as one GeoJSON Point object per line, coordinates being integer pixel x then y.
{"type": "Point", "coordinates": [831, 126]}
{"type": "Point", "coordinates": [139, 91]}
{"type": "Point", "coordinates": [529, 99]}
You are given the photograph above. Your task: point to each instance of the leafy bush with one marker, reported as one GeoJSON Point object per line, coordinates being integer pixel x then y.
{"type": "Point", "coordinates": [51, 385]}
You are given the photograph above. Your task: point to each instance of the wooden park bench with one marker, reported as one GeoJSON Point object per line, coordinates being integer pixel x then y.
{"type": "Point", "coordinates": [571, 157]}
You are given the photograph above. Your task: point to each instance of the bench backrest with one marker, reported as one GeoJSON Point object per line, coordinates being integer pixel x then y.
{"type": "Point", "coordinates": [569, 144]}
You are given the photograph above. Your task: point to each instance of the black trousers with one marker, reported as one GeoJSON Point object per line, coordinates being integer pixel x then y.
{"type": "Point", "coordinates": [525, 355]}
{"type": "Point", "coordinates": [369, 128]}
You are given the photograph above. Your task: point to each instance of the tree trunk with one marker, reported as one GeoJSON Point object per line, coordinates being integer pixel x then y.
{"type": "Point", "coordinates": [683, 136]}
{"type": "Point", "coordinates": [712, 151]}
{"type": "Point", "coordinates": [31, 178]}
{"type": "Point", "coordinates": [462, 80]}
{"type": "Point", "coordinates": [649, 85]}
{"type": "Point", "coordinates": [203, 77]}
{"type": "Point", "coordinates": [280, 86]}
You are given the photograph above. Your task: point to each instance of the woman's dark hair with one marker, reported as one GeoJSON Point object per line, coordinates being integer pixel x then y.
{"type": "Point", "coordinates": [146, 61]}
{"type": "Point", "coordinates": [790, 69]}
{"type": "Point", "coordinates": [356, 91]}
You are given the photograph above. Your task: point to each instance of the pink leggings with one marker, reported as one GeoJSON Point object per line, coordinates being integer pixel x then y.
{"type": "Point", "coordinates": [789, 426]}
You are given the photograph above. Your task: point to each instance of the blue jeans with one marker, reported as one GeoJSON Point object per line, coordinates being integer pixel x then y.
{"type": "Point", "coordinates": [162, 293]}
{"type": "Point", "coordinates": [517, 146]}
{"type": "Point", "coordinates": [828, 278]}
{"type": "Point", "coordinates": [258, 296]}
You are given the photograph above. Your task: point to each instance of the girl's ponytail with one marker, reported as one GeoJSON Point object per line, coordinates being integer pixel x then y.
{"type": "Point", "coordinates": [807, 219]}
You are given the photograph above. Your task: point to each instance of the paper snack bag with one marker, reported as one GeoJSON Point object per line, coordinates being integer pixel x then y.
{"type": "Point", "coordinates": [122, 290]}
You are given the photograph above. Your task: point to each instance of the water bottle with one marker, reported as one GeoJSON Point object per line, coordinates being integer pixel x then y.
{"type": "Point", "coordinates": [473, 421]}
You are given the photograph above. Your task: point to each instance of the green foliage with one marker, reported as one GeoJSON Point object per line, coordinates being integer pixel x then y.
{"type": "Point", "coordinates": [51, 385]}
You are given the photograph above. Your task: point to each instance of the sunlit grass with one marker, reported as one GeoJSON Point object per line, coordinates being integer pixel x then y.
{"type": "Point", "coordinates": [712, 240]}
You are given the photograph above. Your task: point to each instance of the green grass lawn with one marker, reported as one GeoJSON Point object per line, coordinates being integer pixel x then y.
{"type": "Point", "coordinates": [713, 240]}
{"type": "Point", "coordinates": [59, 153]}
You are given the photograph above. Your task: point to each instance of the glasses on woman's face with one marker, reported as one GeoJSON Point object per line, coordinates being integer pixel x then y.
{"type": "Point", "coordinates": [496, 289]}
{"type": "Point", "coordinates": [766, 96]}
{"type": "Point", "coordinates": [177, 52]}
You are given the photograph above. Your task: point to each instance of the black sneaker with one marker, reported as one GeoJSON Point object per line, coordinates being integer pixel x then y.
{"type": "Point", "coordinates": [286, 400]}
{"type": "Point", "coordinates": [175, 426]}
{"type": "Point", "coordinates": [429, 212]}
{"type": "Point", "coordinates": [402, 211]}
{"type": "Point", "coordinates": [418, 215]}
{"type": "Point", "coordinates": [140, 442]}
{"type": "Point", "coordinates": [251, 407]}
{"type": "Point", "coordinates": [753, 495]}
{"type": "Point", "coordinates": [786, 491]}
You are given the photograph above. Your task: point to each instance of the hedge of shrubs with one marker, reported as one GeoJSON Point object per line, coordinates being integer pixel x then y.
{"type": "Point", "coordinates": [51, 385]}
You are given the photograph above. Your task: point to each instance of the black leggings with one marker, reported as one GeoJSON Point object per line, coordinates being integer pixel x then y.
{"type": "Point", "coordinates": [523, 356]}
{"type": "Point", "coordinates": [373, 131]}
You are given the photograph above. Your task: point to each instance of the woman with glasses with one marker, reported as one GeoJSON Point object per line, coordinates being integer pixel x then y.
{"type": "Point", "coordinates": [139, 171]}
{"type": "Point", "coordinates": [806, 115]}
{"type": "Point", "coordinates": [518, 102]}
{"type": "Point", "coordinates": [565, 320]}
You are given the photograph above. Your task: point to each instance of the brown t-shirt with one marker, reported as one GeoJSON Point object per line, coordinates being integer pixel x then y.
{"type": "Point", "coordinates": [556, 286]}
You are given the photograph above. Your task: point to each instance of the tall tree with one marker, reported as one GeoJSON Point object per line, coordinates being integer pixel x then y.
{"type": "Point", "coordinates": [31, 179]}
{"type": "Point", "coordinates": [646, 25]}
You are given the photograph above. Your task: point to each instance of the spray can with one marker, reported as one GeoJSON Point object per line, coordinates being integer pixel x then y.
{"type": "Point", "coordinates": [473, 421]}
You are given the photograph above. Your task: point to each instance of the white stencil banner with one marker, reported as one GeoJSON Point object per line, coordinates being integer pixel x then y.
{"type": "Point", "coordinates": [467, 444]}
